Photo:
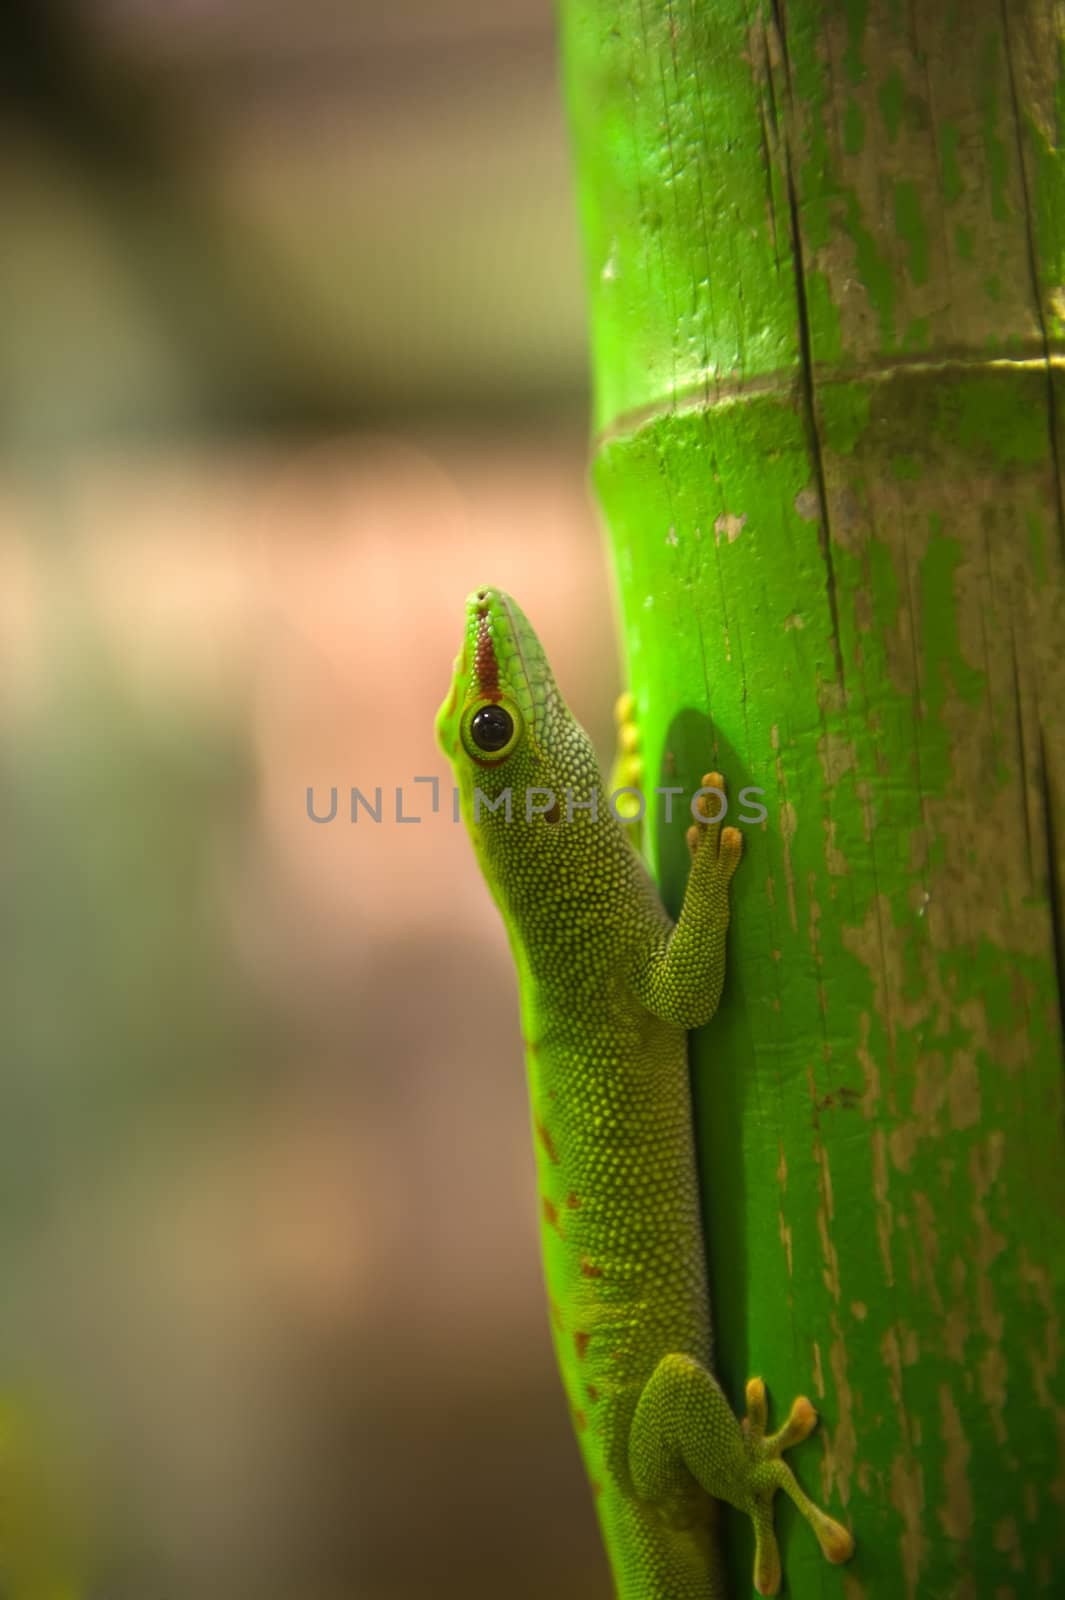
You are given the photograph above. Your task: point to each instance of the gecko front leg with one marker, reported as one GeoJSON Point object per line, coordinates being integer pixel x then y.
{"type": "Point", "coordinates": [681, 977]}
{"type": "Point", "coordinates": [626, 775]}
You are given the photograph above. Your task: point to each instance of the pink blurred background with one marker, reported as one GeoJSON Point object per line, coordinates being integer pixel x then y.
{"type": "Point", "coordinates": [293, 359]}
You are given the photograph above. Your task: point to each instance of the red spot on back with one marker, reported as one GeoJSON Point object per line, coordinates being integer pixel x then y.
{"type": "Point", "coordinates": [596, 1487]}
{"type": "Point", "coordinates": [547, 1141]}
{"type": "Point", "coordinates": [551, 1215]}
{"type": "Point", "coordinates": [589, 1269]}
{"type": "Point", "coordinates": [573, 1201]}
{"type": "Point", "coordinates": [592, 1392]}
{"type": "Point", "coordinates": [579, 1419]}
{"type": "Point", "coordinates": [580, 1344]}
{"type": "Point", "coordinates": [485, 665]}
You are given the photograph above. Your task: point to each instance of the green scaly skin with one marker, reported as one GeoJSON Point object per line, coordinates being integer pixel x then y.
{"type": "Point", "coordinates": [609, 987]}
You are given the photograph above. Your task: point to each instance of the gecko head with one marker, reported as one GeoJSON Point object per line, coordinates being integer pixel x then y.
{"type": "Point", "coordinates": [505, 727]}
{"type": "Point", "coordinates": [502, 694]}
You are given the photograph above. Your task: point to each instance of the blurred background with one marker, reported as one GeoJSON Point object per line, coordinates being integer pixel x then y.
{"type": "Point", "coordinates": [293, 357]}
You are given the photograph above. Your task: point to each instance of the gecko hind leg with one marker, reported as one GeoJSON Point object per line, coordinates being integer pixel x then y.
{"type": "Point", "coordinates": [684, 1428]}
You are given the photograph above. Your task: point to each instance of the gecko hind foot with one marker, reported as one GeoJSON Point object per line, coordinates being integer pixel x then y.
{"type": "Point", "coordinates": [768, 1473]}
{"type": "Point", "coordinates": [684, 1429]}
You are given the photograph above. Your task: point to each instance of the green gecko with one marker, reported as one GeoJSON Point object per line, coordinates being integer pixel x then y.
{"type": "Point", "coordinates": [609, 987]}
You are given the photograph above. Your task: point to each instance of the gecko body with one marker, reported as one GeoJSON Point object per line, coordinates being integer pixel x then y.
{"type": "Point", "coordinates": [609, 988]}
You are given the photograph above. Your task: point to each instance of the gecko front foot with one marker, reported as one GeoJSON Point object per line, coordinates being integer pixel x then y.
{"type": "Point", "coordinates": [684, 1428]}
{"type": "Point", "coordinates": [708, 837]}
{"type": "Point", "coordinates": [626, 777]}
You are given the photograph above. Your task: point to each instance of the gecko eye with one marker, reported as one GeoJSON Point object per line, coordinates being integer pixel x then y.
{"type": "Point", "coordinates": [492, 730]}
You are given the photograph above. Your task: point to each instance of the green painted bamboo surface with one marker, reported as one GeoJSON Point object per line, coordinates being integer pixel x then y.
{"type": "Point", "coordinates": [825, 251]}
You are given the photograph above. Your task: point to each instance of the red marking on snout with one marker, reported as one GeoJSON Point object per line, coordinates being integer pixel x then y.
{"type": "Point", "coordinates": [580, 1344]}
{"type": "Point", "coordinates": [485, 665]}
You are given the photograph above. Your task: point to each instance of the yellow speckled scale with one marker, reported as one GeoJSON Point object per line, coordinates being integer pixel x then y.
{"type": "Point", "coordinates": [609, 987]}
